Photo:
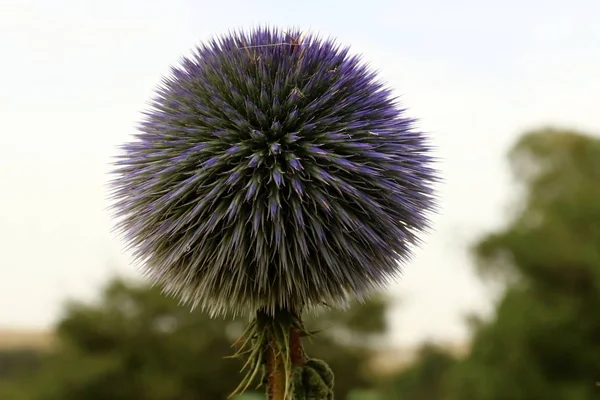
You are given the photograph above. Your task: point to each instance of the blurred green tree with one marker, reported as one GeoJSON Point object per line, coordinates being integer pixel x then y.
{"type": "Point", "coordinates": [422, 380]}
{"type": "Point", "coordinates": [19, 361]}
{"type": "Point", "coordinates": [16, 365]}
{"type": "Point", "coordinates": [137, 343]}
{"type": "Point", "coordinates": [544, 340]}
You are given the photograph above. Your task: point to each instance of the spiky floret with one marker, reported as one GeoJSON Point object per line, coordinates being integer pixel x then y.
{"type": "Point", "coordinates": [272, 172]}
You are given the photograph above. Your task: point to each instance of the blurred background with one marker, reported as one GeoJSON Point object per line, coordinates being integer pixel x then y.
{"type": "Point", "coordinates": [502, 301]}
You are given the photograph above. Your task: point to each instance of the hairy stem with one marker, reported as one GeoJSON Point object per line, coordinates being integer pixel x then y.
{"type": "Point", "coordinates": [296, 350]}
{"type": "Point", "coordinates": [276, 374]}
{"type": "Point", "coordinates": [282, 356]}
{"type": "Point", "coordinates": [272, 344]}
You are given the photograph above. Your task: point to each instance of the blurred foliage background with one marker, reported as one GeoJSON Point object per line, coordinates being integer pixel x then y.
{"type": "Point", "coordinates": [541, 342]}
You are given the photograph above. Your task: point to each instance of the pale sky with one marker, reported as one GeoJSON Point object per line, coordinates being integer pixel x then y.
{"type": "Point", "coordinates": [75, 76]}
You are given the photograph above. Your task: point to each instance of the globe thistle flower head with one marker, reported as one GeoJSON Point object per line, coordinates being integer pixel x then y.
{"type": "Point", "coordinates": [273, 172]}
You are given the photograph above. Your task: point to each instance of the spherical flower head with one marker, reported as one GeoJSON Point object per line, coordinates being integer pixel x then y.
{"type": "Point", "coordinates": [273, 171]}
